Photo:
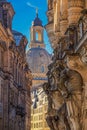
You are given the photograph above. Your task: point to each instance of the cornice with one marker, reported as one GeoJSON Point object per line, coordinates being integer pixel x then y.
{"type": "Point", "coordinates": [76, 3]}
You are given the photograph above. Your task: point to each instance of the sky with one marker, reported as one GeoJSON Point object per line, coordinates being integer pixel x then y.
{"type": "Point", "coordinates": [24, 15]}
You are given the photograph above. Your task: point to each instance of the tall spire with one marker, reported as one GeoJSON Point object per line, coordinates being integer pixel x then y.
{"type": "Point", "coordinates": [37, 21]}
{"type": "Point", "coordinates": [37, 12]}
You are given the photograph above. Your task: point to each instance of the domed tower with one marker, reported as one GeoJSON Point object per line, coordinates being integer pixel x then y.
{"type": "Point", "coordinates": [37, 33]}
{"type": "Point", "coordinates": [37, 57]}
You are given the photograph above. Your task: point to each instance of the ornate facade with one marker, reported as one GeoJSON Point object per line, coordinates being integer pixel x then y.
{"type": "Point", "coordinates": [67, 76]}
{"type": "Point", "coordinates": [38, 59]}
{"type": "Point", "coordinates": [39, 109]}
{"type": "Point", "coordinates": [15, 76]}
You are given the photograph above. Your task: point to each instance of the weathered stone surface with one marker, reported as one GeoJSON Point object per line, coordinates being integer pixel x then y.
{"type": "Point", "coordinates": [67, 76]}
{"type": "Point", "coordinates": [15, 76]}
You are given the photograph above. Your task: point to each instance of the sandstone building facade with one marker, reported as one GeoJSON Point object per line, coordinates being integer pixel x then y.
{"type": "Point", "coordinates": [67, 76]}
{"type": "Point", "coordinates": [15, 76]}
{"type": "Point", "coordinates": [38, 59]}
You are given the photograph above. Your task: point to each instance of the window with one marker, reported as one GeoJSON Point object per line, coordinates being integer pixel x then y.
{"type": "Point", "coordinates": [36, 36]}
{"type": "Point", "coordinates": [1, 87]}
{"type": "Point", "coordinates": [42, 69]}
{"type": "Point", "coordinates": [40, 117]}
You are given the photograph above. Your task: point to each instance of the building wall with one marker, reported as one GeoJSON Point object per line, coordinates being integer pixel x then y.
{"type": "Point", "coordinates": [15, 81]}
{"type": "Point", "coordinates": [38, 114]}
{"type": "Point", "coordinates": [60, 15]}
{"type": "Point", "coordinates": [67, 78]}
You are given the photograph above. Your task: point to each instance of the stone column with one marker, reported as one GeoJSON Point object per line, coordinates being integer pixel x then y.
{"type": "Point", "coordinates": [74, 10]}
{"type": "Point", "coordinates": [86, 4]}
{"type": "Point", "coordinates": [56, 15]}
{"type": "Point", "coordinates": [64, 15]}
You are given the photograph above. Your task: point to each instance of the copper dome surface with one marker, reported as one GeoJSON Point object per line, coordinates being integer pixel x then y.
{"type": "Point", "coordinates": [38, 60]}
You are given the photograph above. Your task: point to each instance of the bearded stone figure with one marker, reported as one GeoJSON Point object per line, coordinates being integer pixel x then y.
{"type": "Point", "coordinates": [55, 99]}
{"type": "Point", "coordinates": [55, 102]}
{"type": "Point", "coordinates": [64, 86]}
{"type": "Point", "coordinates": [73, 82]}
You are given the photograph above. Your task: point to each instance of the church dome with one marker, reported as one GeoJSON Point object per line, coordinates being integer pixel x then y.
{"type": "Point", "coordinates": [38, 60]}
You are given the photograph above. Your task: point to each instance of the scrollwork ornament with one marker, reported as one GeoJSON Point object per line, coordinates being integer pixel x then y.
{"type": "Point", "coordinates": [83, 54]}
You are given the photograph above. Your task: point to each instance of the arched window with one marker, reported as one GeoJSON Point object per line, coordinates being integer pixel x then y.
{"type": "Point", "coordinates": [36, 36]}
{"type": "Point", "coordinates": [42, 69]}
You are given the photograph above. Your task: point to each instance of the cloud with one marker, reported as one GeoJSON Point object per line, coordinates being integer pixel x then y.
{"type": "Point", "coordinates": [32, 6]}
